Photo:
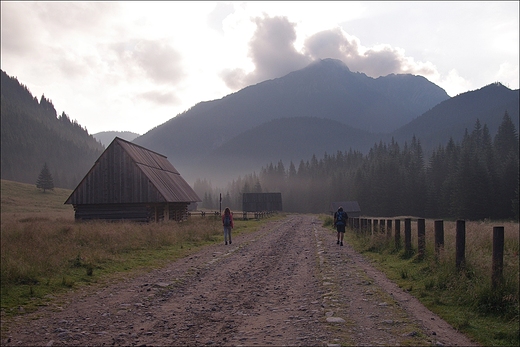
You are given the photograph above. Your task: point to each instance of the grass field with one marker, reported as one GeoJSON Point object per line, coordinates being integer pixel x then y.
{"type": "Point", "coordinates": [45, 253]}
{"type": "Point", "coordinates": [465, 298]}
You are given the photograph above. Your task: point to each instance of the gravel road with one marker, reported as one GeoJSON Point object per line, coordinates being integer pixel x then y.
{"type": "Point", "coordinates": [286, 284]}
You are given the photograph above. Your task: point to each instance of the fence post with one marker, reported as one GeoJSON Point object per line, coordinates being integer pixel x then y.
{"type": "Point", "coordinates": [421, 236]}
{"type": "Point", "coordinates": [397, 234]}
{"type": "Point", "coordinates": [498, 256]}
{"type": "Point", "coordinates": [408, 235]}
{"type": "Point", "coordinates": [460, 244]}
{"type": "Point", "coordinates": [439, 237]}
{"type": "Point", "coordinates": [389, 228]}
{"type": "Point", "coordinates": [369, 226]}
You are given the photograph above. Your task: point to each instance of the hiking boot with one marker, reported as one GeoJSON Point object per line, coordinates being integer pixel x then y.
{"type": "Point", "coordinates": [337, 242]}
{"type": "Point", "coordinates": [229, 242]}
{"type": "Point", "coordinates": [341, 244]}
{"type": "Point", "coordinates": [226, 242]}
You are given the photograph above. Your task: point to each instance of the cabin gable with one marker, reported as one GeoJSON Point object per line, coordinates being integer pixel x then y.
{"type": "Point", "coordinates": [127, 177]}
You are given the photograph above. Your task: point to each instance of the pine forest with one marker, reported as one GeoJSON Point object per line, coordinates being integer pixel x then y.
{"type": "Point", "coordinates": [476, 179]}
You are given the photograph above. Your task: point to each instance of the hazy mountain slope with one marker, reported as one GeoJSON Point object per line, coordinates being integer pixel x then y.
{"type": "Point", "coordinates": [106, 137]}
{"type": "Point", "coordinates": [451, 117]}
{"type": "Point", "coordinates": [324, 89]}
{"type": "Point", "coordinates": [286, 139]}
{"type": "Point", "coordinates": [32, 134]}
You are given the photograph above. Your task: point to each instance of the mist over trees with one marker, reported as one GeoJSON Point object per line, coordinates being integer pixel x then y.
{"type": "Point", "coordinates": [475, 179]}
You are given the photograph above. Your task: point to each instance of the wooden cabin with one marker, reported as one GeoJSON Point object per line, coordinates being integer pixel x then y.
{"type": "Point", "coordinates": [130, 182]}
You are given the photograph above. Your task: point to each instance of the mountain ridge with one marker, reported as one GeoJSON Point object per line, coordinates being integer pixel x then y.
{"type": "Point", "coordinates": [324, 89]}
{"type": "Point", "coordinates": [106, 137]}
{"type": "Point", "coordinates": [487, 104]}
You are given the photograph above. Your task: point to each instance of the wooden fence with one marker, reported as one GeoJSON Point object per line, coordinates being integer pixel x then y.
{"type": "Point", "coordinates": [236, 214]}
{"type": "Point", "coordinates": [364, 225]}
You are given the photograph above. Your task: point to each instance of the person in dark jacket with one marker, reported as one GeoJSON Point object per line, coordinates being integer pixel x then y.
{"type": "Point", "coordinates": [227, 223]}
{"type": "Point", "coordinates": [340, 222]}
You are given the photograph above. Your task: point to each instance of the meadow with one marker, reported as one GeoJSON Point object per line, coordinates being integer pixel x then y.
{"type": "Point", "coordinates": [45, 253]}
{"type": "Point", "coordinates": [463, 297]}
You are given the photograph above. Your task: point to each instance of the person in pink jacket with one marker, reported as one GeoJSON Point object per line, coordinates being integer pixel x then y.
{"type": "Point", "coordinates": [227, 222]}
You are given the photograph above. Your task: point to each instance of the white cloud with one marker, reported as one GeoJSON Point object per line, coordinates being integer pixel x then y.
{"type": "Point", "coordinates": [506, 75]}
{"type": "Point", "coordinates": [273, 54]}
{"type": "Point", "coordinates": [452, 83]}
{"type": "Point", "coordinates": [157, 59]}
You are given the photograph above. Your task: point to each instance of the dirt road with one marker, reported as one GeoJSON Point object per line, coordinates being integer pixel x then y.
{"type": "Point", "coordinates": [286, 284]}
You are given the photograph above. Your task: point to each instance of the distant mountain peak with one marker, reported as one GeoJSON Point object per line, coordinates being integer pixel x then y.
{"type": "Point", "coordinates": [328, 63]}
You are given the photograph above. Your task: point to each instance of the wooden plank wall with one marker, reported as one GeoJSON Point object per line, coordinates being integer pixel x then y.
{"type": "Point", "coordinates": [132, 212]}
{"type": "Point", "coordinates": [115, 178]}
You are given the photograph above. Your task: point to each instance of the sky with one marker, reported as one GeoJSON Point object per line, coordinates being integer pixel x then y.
{"type": "Point", "coordinates": [132, 66]}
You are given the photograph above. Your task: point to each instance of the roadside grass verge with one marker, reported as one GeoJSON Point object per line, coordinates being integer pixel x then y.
{"type": "Point", "coordinates": [464, 298]}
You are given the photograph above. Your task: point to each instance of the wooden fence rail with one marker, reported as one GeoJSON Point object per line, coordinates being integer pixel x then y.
{"type": "Point", "coordinates": [245, 215]}
{"type": "Point", "coordinates": [375, 226]}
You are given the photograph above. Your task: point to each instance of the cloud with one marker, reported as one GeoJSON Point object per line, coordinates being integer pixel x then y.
{"type": "Point", "coordinates": [158, 60]}
{"type": "Point", "coordinates": [377, 61]}
{"type": "Point", "coordinates": [17, 37]}
{"type": "Point", "coordinates": [217, 16]}
{"type": "Point", "coordinates": [65, 19]}
{"type": "Point", "coordinates": [331, 44]}
{"type": "Point", "coordinates": [273, 54]}
{"type": "Point", "coordinates": [452, 83]}
{"type": "Point", "coordinates": [271, 50]}
{"type": "Point", "coordinates": [159, 97]}
{"type": "Point", "coordinates": [508, 75]}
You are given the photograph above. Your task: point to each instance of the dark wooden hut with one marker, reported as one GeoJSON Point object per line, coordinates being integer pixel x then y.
{"type": "Point", "coordinates": [130, 182]}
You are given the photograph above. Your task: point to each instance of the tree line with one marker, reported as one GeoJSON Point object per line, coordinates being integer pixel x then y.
{"type": "Point", "coordinates": [475, 179]}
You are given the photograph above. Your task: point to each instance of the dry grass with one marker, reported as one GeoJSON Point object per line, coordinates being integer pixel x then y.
{"type": "Point", "coordinates": [37, 248]}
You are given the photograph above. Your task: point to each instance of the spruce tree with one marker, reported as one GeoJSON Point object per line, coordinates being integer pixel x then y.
{"type": "Point", "coordinates": [45, 179]}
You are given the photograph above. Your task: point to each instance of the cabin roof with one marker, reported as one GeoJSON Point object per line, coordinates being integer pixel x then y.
{"type": "Point", "coordinates": [157, 169]}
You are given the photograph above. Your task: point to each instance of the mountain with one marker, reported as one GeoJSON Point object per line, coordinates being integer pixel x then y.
{"type": "Point", "coordinates": [326, 89]}
{"type": "Point", "coordinates": [32, 134]}
{"type": "Point", "coordinates": [287, 139]}
{"type": "Point", "coordinates": [452, 117]}
{"type": "Point", "coordinates": [106, 137]}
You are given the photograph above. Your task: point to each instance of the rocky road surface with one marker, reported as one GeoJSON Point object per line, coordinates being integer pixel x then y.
{"type": "Point", "coordinates": [286, 284]}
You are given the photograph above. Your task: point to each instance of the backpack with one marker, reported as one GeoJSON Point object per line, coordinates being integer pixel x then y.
{"type": "Point", "coordinates": [227, 220]}
{"type": "Point", "coordinates": [340, 218]}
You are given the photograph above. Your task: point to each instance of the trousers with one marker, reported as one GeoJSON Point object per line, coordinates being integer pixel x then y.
{"type": "Point", "coordinates": [227, 234]}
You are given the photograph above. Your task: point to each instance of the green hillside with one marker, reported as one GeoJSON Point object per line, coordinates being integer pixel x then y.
{"type": "Point", "coordinates": [25, 200]}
